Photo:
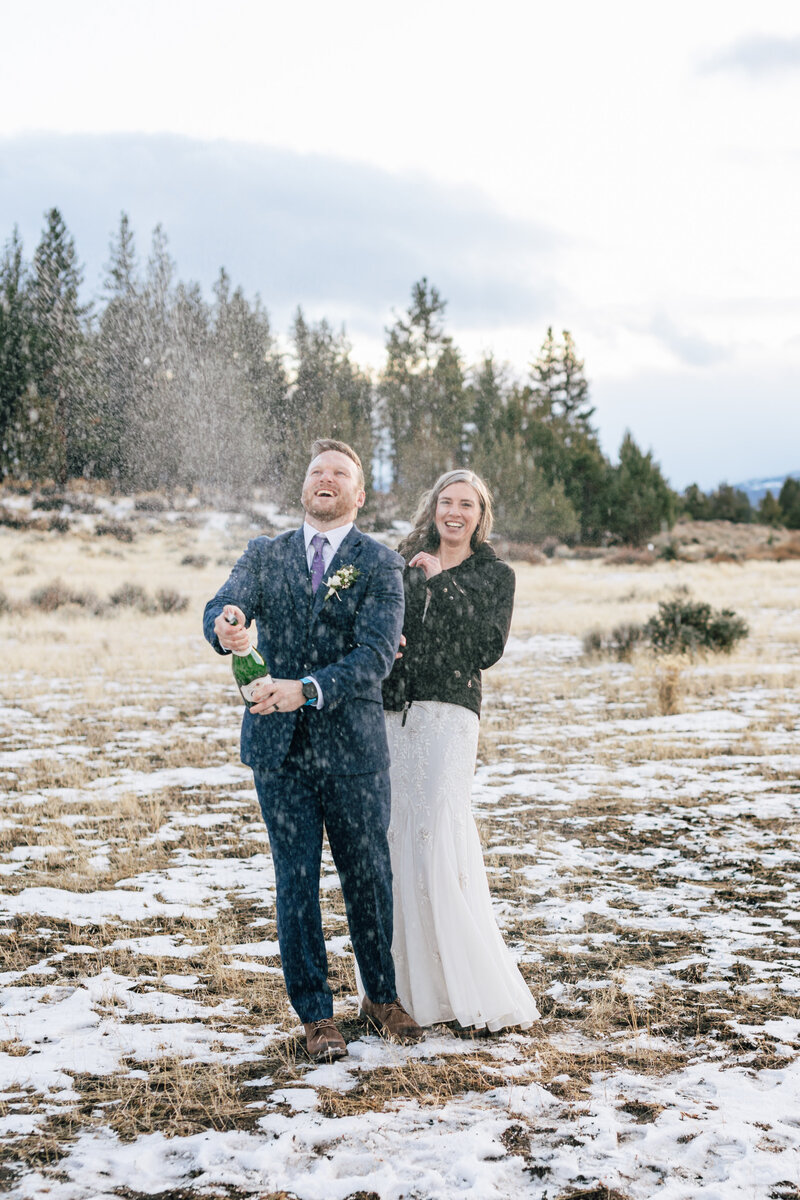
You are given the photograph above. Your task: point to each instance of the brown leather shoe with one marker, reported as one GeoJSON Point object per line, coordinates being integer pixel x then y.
{"type": "Point", "coordinates": [392, 1021]}
{"type": "Point", "coordinates": [323, 1040]}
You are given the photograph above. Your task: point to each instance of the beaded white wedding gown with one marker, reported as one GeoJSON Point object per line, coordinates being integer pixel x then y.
{"type": "Point", "coordinates": [450, 959]}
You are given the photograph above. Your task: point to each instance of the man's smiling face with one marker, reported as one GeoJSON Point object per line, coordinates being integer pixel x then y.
{"type": "Point", "coordinates": [332, 494]}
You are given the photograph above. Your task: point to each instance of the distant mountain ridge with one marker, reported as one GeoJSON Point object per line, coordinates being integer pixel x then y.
{"type": "Point", "coordinates": [757, 489]}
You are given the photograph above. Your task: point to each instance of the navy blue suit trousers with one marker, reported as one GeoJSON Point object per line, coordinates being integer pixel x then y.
{"type": "Point", "coordinates": [297, 802]}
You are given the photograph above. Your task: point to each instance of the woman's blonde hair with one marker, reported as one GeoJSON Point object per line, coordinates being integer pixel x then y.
{"type": "Point", "coordinates": [425, 535]}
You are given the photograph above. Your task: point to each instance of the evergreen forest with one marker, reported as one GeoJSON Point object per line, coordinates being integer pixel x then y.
{"type": "Point", "coordinates": [155, 387]}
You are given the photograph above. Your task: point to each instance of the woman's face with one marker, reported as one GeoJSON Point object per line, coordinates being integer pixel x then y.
{"type": "Point", "coordinates": [458, 510]}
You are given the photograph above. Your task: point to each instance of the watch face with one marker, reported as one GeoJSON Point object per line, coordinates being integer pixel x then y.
{"type": "Point", "coordinates": [309, 691]}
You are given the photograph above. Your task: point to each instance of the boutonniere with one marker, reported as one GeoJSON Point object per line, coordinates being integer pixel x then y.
{"type": "Point", "coordinates": [344, 578]}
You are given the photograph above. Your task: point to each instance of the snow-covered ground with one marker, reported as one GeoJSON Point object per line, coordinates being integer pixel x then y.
{"type": "Point", "coordinates": [644, 869]}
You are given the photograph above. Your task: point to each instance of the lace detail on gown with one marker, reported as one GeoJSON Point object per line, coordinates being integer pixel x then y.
{"type": "Point", "coordinates": [450, 958]}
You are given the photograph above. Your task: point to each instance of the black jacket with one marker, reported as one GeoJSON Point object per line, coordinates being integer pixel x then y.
{"type": "Point", "coordinates": [464, 631]}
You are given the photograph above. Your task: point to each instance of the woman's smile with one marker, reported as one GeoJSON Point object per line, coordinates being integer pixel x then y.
{"type": "Point", "coordinates": [458, 511]}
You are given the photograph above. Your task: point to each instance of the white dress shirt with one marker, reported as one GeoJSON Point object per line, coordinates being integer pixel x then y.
{"type": "Point", "coordinates": [335, 538]}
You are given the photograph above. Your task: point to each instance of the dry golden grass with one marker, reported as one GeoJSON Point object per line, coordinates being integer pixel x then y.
{"type": "Point", "coordinates": [111, 680]}
{"type": "Point", "coordinates": [573, 597]}
{"type": "Point", "coordinates": [562, 597]}
{"type": "Point", "coordinates": [430, 1083]}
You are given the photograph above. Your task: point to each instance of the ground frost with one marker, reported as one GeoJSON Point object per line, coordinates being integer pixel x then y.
{"type": "Point", "coordinates": [644, 868]}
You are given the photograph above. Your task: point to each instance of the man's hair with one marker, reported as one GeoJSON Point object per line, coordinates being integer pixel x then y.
{"type": "Point", "coordinates": [323, 444]}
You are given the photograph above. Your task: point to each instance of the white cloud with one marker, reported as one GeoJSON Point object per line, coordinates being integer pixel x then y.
{"type": "Point", "coordinates": [540, 163]}
{"type": "Point", "coordinates": [343, 239]}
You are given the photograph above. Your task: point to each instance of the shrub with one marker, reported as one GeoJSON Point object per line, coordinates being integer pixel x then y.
{"type": "Point", "coordinates": [194, 560]}
{"type": "Point", "coordinates": [13, 519]}
{"type": "Point", "coordinates": [5, 604]}
{"type": "Point", "coordinates": [685, 626]}
{"type": "Point", "coordinates": [168, 601]}
{"type": "Point", "coordinates": [117, 529]}
{"type": "Point", "coordinates": [681, 626]}
{"type": "Point", "coordinates": [82, 504]}
{"type": "Point", "coordinates": [56, 594]}
{"type": "Point", "coordinates": [58, 524]}
{"type": "Point", "coordinates": [783, 552]}
{"type": "Point", "coordinates": [131, 595]}
{"type": "Point", "coordinates": [152, 503]}
{"type": "Point", "coordinates": [624, 637]}
{"type": "Point", "coordinates": [619, 643]}
{"type": "Point", "coordinates": [630, 556]}
{"type": "Point", "coordinates": [594, 642]}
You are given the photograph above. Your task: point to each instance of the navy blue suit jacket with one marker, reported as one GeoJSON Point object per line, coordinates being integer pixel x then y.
{"type": "Point", "coordinates": [348, 644]}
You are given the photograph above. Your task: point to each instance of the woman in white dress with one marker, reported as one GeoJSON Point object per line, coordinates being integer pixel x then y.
{"type": "Point", "coordinates": [450, 959]}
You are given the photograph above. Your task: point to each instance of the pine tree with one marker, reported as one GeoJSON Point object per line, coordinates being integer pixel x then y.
{"type": "Point", "coordinates": [154, 426]}
{"type": "Point", "coordinates": [188, 390]}
{"type": "Point", "coordinates": [58, 358]}
{"type": "Point", "coordinates": [424, 401]}
{"type": "Point", "coordinates": [527, 508]}
{"type": "Point", "coordinates": [120, 354]}
{"type": "Point", "coordinates": [330, 396]}
{"type": "Point", "coordinates": [487, 392]}
{"type": "Point", "coordinates": [252, 391]}
{"type": "Point", "coordinates": [694, 503]}
{"type": "Point", "coordinates": [14, 360]}
{"type": "Point", "coordinates": [558, 430]}
{"type": "Point", "coordinates": [729, 504]}
{"type": "Point", "coordinates": [571, 396]}
{"type": "Point", "coordinates": [789, 500]}
{"type": "Point", "coordinates": [546, 377]}
{"type": "Point", "coordinates": [641, 501]}
{"type": "Point", "coordinates": [770, 511]}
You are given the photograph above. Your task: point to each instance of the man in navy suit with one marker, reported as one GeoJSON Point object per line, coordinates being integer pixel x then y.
{"type": "Point", "coordinates": [328, 603]}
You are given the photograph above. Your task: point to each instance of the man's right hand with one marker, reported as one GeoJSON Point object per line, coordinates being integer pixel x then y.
{"type": "Point", "coordinates": [232, 637]}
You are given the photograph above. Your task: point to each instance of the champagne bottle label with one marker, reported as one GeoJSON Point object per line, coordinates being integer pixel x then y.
{"type": "Point", "coordinates": [247, 690]}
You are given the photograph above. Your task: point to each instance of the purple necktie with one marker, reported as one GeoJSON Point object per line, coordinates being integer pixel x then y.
{"type": "Point", "coordinates": [317, 563]}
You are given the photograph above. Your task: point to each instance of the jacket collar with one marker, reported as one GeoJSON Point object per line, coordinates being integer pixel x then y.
{"type": "Point", "coordinates": [482, 554]}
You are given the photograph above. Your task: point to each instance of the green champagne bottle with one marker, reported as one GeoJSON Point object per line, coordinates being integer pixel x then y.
{"type": "Point", "coordinates": [248, 668]}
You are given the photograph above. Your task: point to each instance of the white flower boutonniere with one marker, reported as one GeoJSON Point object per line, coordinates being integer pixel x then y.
{"type": "Point", "coordinates": [344, 578]}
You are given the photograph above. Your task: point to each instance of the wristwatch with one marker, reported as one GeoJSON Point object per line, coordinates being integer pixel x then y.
{"type": "Point", "coordinates": [310, 693]}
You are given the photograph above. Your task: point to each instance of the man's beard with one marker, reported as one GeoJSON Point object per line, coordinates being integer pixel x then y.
{"type": "Point", "coordinates": [327, 510]}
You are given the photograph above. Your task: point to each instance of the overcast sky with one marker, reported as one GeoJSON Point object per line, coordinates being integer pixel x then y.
{"type": "Point", "coordinates": [627, 171]}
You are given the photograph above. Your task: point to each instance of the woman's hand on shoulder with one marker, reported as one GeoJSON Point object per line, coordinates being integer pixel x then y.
{"type": "Point", "coordinates": [429, 563]}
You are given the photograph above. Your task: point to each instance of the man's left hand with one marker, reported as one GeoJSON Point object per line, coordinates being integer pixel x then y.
{"type": "Point", "coordinates": [277, 695]}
